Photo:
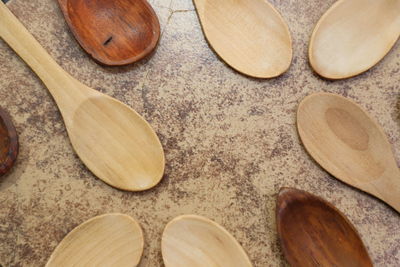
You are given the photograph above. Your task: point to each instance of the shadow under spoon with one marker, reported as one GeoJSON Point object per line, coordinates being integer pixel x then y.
{"type": "Point", "coordinates": [111, 139]}
{"type": "Point", "coordinates": [350, 145]}
{"type": "Point", "coordinates": [314, 233]}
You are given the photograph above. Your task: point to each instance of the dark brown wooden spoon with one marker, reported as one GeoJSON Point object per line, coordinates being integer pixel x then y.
{"type": "Point", "coordinates": [314, 233]}
{"type": "Point", "coordinates": [117, 32]}
{"type": "Point", "coordinates": [8, 142]}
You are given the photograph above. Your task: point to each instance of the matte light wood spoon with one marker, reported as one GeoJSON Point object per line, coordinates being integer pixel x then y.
{"type": "Point", "coordinates": [113, 141]}
{"type": "Point", "coordinates": [249, 35]}
{"type": "Point", "coordinates": [191, 240]}
{"type": "Point", "coordinates": [350, 145]}
{"type": "Point", "coordinates": [353, 36]}
{"type": "Point", "coordinates": [117, 32]}
{"type": "Point", "coordinates": [8, 142]}
{"type": "Point", "coordinates": [314, 233]}
{"type": "Point", "coordinates": [106, 240]}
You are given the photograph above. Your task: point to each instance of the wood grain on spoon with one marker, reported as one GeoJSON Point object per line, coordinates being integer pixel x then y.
{"type": "Point", "coordinates": [249, 35]}
{"type": "Point", "coordinates": [117, 32]}
{"type": "Point", "coordinates": [354, 35]}
{"type": "Point", "coordinates": [350, 145]}
{"type": "Point", "coordinates": [113, 141]}
{"type": "Point", "coordinates": [8, 142]}
{"type": "Point", "coordinates": [195, 241]}
{"type": "Point", "coordinates": [314, 233]}
{"type": "Point", "coordinates": [106, 240]}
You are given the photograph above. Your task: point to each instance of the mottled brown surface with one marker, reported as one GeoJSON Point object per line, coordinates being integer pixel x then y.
{"type": "Point", "coordinates": [230, 141]}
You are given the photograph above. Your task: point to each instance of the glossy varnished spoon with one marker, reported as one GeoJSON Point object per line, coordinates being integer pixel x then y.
{"type": "Point", "coordinates": [113, 141]}
{"type": "Point", "coordinates": [249, 35]}
{"type": "Point", "coordinates": [106, 240]}
{"type": "Point", "coordinates": [8, 142]}
{"type": "Point", "coordinates": [350, 145]}
{"type": "Point", "coordinates": [117, 32]}
{"type": "Point", "coordinates": [314, 233]}
{"type": "Point", "coordinates": [354, 35]}
{"type": "Point", "coordinates": [195, 241]}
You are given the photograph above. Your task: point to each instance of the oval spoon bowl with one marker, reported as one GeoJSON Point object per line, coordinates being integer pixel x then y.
{"type": "Point", "coordinates": [349, 144]}
{"type": "Point", "coordinates": [195, 241]}
{"type": "Point", "coordinates": [8, 142]}
{"type": "Point", "coordinates": [106, 240]}
{"type": "Point", "coordinates": [249, 35]}
{"type": "Point", "coordinates": [114, 33]}
{"type": "Point", "coordinates": [314, 233]}
{"type": "Point", "coordinates": [353, 36]}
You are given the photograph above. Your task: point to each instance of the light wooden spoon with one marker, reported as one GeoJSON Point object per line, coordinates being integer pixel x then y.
{"type": "Point", "coordinates": [315, 233]}
{"type": "Point", "coordinates": [350, 145]}
{"type": "Point", "coordinates": [106, 240]}
{"type": "Point", "coordinates": [249, 35]}
{"type": "Point", "coordinates": [353, 36]}
{"type": "Point", "coordinates": [195, 241]}
{"type": "Point", "coordinates": [113, 141]}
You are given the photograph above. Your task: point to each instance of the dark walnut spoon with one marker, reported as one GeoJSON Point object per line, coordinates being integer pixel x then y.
{"type": "Point", "coordinates": [314, 233]}
{"type": "Point", "coordinates": [8, 143]}
{"type": "Point", "coordinates": [114, 33]}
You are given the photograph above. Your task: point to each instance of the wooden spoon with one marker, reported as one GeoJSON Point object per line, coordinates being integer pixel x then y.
{"type": "Point", "coordinates": [114, 33]}
{"type": "Point", "coordinates": [249, 35]}
{"type": "Point", "coordinates": [106, 240]}
{"type": "Point", "coordinates": [114, 142]}
{"type": "Point", "coordinates": [314, 233]}
{"type": "Point", "coordinates": [195, 241]}
{"type": "Point", "coordinates": [350, 145]}
{"type": "Point", "coordinates": [353, 36]}
{"type": "Point", "coordinates": [8, 142]}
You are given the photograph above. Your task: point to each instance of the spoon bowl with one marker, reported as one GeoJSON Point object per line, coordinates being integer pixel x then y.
{"type": "Point", "coordinates": [249, 35]}
{"type": "Point", "coordinates": [106, 240]}
{"type": "Point", "coordinates": [114, 141]}
{"type": "Point", "coordinates": [314, 233]}
{"type": "Point", "coordinates": [191, 240]}
{"type": "Point", "coordinates": [350, 145]}
{"type": "Point", "coordinates": [114, 33]}
{"type": "Point", "coordinates": [353, 36]}
{"type": "Point", "coordinates": [8, 143]}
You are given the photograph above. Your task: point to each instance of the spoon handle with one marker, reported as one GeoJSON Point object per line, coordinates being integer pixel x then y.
{"type": "Point", "coordinates": [25, 45]}
{"type": "Point", "coordinates": [390, 189]}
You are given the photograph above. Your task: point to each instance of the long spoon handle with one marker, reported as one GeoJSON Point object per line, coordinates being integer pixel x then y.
{"type": "Point", "coordinates": [390, 189]}
{"type": "Point", "coordinates": [25, 45]}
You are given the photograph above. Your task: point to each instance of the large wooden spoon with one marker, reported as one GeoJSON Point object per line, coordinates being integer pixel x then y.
{"type": "Point", "coordinates": [116, 32]}
{"type": "Point", "coordinates": [250, 35]}
{"type": "Point", "coordinates": [106, 240]}
{"type": "Point", "coordinates": [191, 240]}
{"type": "Point", "coordinates": [114, 142]}
{"type": "Point", "coordinates": [350, 145]}
{"type": "Point", "coordinates": [8, 142]}
{"type": "Point", "coordinates": [354, 35]}
{"type": "Point", "coordinates": [314, 233]}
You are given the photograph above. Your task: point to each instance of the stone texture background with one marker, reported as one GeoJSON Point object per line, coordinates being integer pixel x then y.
{"type": "Point", "coordinates": [230, 141]}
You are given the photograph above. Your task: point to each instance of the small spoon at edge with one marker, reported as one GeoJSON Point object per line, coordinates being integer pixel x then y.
{"type": "Point", "coordinates": [106, 240]}
{"type": "Point", "coordinates": [353, 36]}
{"type": "Point", "coordinates": [350, 145]}
{"type": "Point", "coordinates": [192, 240]}
{"type": "Point", "coordinates": [315, 233]}
{"type": "Point", "coordinates": [9, 145]}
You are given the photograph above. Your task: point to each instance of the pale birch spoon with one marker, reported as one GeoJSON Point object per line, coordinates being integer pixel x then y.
{"type": "Point", "coordinates": [249, 35]}
{"type": "Point", "coordinates": [350, 145]}
{"type": "Point", "coordinates": [106, 240]}
{"type": "Point", "coordinates": [113, 141]}
{"type": "Point", "coordinates": [195, 241]}
{"type": "Point", "coordinates": [353, 36]}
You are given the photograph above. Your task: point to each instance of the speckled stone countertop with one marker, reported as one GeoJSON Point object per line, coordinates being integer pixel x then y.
{"type": "Point", "coordinates": [230, 141]}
